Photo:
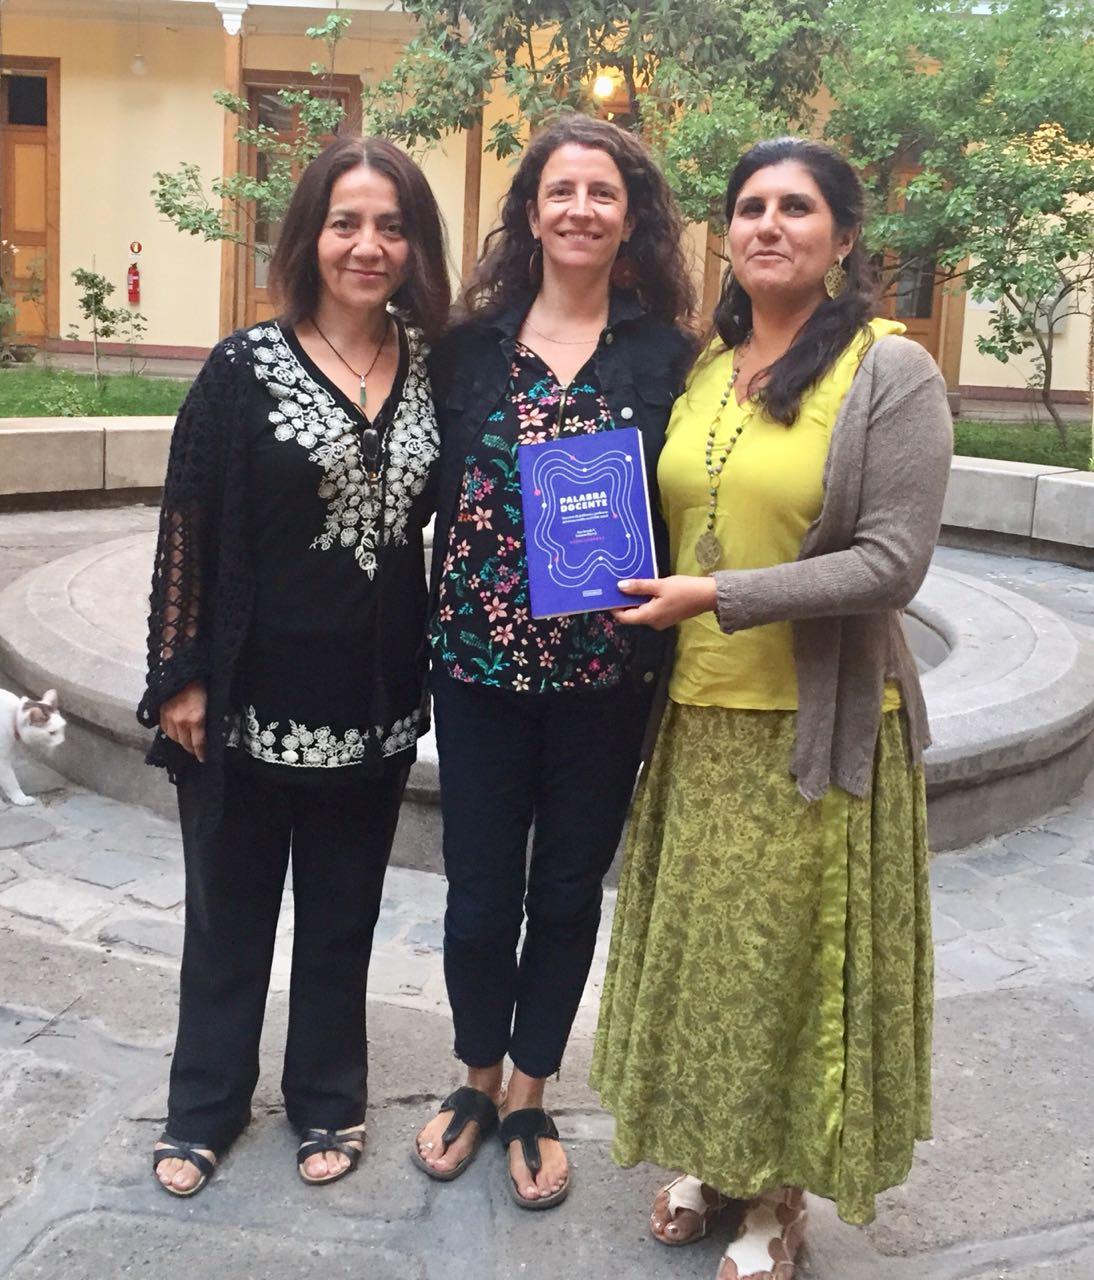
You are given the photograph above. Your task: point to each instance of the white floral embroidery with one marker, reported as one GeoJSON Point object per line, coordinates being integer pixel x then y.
{"type": "Point", "coordinates": [308, 413]}
{"type": "Point", "coordinates": [306, 748]}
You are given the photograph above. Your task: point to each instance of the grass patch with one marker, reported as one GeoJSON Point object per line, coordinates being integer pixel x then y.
{"type": "Point", "coordinates": [1023, 442]}
{"type": "Point", "coordinates": [59, 393]}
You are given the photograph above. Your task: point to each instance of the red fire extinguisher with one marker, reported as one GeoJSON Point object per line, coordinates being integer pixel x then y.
{"type": "Point", "coordinates": [133, 283]}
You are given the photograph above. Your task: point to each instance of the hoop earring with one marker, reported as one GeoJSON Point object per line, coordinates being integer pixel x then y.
{"type": "Point", "coordinates": [835, 279]}
{"type": "Point", "coordinates": [535, 265]}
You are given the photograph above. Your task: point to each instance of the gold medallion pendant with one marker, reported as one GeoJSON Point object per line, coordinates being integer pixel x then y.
{"type": "Point", "coordinates": [708, 552]}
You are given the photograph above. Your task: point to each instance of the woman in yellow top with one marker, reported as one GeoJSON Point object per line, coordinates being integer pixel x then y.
{"type": "Point", "coordinates": [765, 1023]}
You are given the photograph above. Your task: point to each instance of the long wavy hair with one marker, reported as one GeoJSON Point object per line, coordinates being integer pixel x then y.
{"type": "Point", "coordinates": [424, 297]}
{"type": "Point", "coordinates": [657, 268]}
{"type": "Point", "coordinates": [836, 321]}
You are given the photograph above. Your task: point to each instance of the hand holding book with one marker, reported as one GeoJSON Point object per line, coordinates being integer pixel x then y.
{"type": "Point", "coordinates": [667, 601]}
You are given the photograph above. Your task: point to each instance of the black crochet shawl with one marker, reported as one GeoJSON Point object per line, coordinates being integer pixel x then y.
{"type": "Point", "coordinates": [202, 586]}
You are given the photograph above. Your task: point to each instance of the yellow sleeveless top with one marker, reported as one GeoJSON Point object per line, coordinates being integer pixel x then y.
{"type": "Point", "coordinates": [770, 493]}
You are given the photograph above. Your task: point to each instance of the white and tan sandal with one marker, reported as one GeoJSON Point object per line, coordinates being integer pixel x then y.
{"type": "Point", "coordinates": [685, 1192]}
{"type": "Point", "coordinates": [771, 1234]}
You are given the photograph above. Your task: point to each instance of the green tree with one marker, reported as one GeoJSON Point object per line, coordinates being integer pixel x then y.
{"type": "Point", "coordinates": [233, 203]}
{"type": "Point", "coordinates": [104, 321]}
{"type": "Point", "coordinates": [700, 78]}
{"type": "Point", "coordinates": [972, 129]}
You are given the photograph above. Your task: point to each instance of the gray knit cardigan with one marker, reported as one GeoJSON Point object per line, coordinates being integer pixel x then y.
{"type": "Point", "coordinates": [861, 561]}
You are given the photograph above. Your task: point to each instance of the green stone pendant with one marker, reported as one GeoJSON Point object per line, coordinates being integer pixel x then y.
{"type": "Point", "coordinates": [708, 552]}
{"type": "Point", "coordinates": [362, 399]}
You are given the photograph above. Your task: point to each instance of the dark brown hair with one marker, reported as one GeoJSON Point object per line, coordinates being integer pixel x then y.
{"type": "Point", "coordinates": [654, 252]}
{"type": "Point", "coordinates": [425, 296]}
{"type": "Point", "coordinates": [835, 322]}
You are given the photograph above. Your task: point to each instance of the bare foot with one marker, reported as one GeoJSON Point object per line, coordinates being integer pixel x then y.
{"type": "Point", "coordinates": [685, 1210]}
{"type": "Point", "coordinates": [325, 1165]}
{"type": "Point", "coordinates": [181, 1175]}
{"type": "Point", "coordinates": [430, 1140]}
{"type": "Point", "coordinates": [527, 1091]}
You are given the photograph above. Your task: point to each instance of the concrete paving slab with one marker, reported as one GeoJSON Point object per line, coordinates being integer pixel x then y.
{"type": "Point", "coordinates": [1072, 1266]}
{"type": "Point", "coordinates": [161, 937]}
{"type": "Point", "coordinates": [971, 914]}
{"type": "Point", "coordinates": [60, 903]}
{"type": "Point", "coordinates": [1039, 846]}
{"type": "Point", "coordinates": [93, 1247]}
{"type": "Point", "coordinates": [74, 857]}
{"type": "Point", "coordinates": [41, 1102]}
{"type": "Point", "coordinates": [130, 1001]}
{"type": "Point", "coordinates": [163, 891]}
{"type": "Point", "coordinates": [1076, 880]}
{"type": "Point", "coordinates": [1030, 902]}
{"type": "Point", "coordinates": [17, 827]}
{"type": "Point", "coordinates": [1011, 1113]}
{"type": "Point", "coordinates": [998, 862]}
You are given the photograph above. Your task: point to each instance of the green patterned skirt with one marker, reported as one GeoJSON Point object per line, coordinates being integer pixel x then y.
{"type": "Point", "coordinates": [766, 1015]}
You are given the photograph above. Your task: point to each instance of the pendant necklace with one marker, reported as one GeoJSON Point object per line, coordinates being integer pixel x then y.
{"type": "Point", "coordinates": [370, 437]}
{"type": "Point", "coordinates": [362, 398]}
{"type": "Point", "coordinates": [708, 550]}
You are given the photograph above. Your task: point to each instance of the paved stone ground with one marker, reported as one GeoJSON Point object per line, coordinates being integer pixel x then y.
{"type": "Point", "coordinates": [90, 933]}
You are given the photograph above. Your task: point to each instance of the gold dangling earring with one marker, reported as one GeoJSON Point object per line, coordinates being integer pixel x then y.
{"type": "Point", "coordinates": [835, 279]}
{"type": "Point", "coordinates": [535, 265]}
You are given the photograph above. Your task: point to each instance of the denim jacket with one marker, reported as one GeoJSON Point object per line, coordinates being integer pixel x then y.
{"type": "Point", "coordinates": [641, 363]}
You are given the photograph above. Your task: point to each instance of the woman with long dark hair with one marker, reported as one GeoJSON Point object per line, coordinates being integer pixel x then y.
{"type": "Point", "coordinates": [285, 667]}
{"type": "Point", "coordinates": [573, 328]}
{"type": "Point", "coordinates": [766, 1017]}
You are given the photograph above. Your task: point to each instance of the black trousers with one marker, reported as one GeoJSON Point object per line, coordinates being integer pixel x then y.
{"type": "Point", "coordinates": [567, 763]}
{"type": "Point", "coordinates": [340, 838]}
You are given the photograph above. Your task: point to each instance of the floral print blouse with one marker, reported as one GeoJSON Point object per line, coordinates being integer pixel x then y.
{"type": "Point", "coordinates": [483, 631]}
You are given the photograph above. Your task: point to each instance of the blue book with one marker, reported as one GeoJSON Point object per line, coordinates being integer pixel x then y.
{"type": "Point", "coordinates": [586, 521]}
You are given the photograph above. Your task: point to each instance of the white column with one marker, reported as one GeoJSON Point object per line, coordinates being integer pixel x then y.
{"type": "Point", "coordinates": [231, 14]}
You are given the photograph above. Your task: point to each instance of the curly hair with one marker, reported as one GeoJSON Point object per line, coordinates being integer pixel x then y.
{"type": "Point", "coordinates": [294, 272]}
{"type": "Point", "coordinates": [654, 252]}
{"type": "Point", "coordinates": [836, 321]}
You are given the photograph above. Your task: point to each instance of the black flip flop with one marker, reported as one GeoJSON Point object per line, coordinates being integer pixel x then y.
{"type": "Point", "coordinates": [188, 1151]}
{"type": "Point", "coordinates": [467, 1105]}
{"type": "Point", "coordinates": [529, 1125]}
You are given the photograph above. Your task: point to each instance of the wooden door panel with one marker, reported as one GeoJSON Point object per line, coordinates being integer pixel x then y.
{"type": "Point", "coordinates": [28, 188]}
{"type": "Point", "coordinates": [26, 224]}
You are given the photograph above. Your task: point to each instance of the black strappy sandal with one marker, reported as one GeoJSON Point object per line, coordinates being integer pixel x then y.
{"type": "Point", "coordinates": [529, 1125]}
{"type": "Point", "coordinates": [188, 1151]}
{"type": "Point", "coordinates": [467, 1105]}
{"type": "Point", "coordinates": [316, 1141]}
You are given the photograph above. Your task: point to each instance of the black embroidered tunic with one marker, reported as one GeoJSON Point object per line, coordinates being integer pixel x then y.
{"type": "Point", "coordinates": [287, 579]}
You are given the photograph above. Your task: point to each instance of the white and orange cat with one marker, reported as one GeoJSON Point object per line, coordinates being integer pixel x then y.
{"type": "Point", "coordinates": [36, 724]}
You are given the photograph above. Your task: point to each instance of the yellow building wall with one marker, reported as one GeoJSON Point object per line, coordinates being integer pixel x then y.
{"type": "Point", "coordinates": [116, 130]}
{"type": "Point", "coordinates": [1069, 357]}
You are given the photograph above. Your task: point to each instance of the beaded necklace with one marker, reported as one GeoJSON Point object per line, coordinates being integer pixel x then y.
{"type": "Point", "coordinates": [708, 550]}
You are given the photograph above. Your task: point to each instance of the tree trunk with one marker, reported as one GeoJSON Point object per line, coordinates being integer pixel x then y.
{"type": "Point", "coordinates": [1046, 392]}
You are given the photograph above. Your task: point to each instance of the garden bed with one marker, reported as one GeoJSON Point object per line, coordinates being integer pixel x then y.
{"type": "Point", "coordinates": [59, 393]}
{"type": "Point", "coordinates": [1023, 442]}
